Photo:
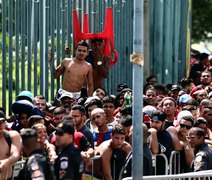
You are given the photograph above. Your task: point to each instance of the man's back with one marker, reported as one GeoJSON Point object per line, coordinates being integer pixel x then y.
{"type": "Point", "coordinates": [37, 166]}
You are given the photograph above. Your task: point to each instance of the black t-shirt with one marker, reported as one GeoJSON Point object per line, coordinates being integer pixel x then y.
{"type": "Point", "coordinates": [165, 147]}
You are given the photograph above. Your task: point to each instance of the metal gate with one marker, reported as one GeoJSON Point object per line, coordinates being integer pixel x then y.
{"type": "Point", "coordinates": [29, 28]}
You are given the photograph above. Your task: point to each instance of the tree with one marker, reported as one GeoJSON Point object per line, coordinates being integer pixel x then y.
{"type": "Point", "coordinates": [201, 20]}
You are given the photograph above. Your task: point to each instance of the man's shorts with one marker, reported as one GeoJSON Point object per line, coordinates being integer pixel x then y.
{"type": "Point", "coordinates": [76, 95]}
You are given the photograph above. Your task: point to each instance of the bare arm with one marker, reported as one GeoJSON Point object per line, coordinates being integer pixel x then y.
{"type": "Point", "coordinates": [176, 143]}
{"type": "Point", "coordinates": [58, 70]}
{"type": "Point", "coordinates": [90, 87]}
{"type": "Point", "coordinates": [14, 151]}
{"type": "Point", "coordinates": [154, 145]}
{"type": "Point", "coordinates": [106, 156]}
{"type": "Point", "coordinates": [104, 68]}
{"type": "Point", "coordinates": [189, 153]}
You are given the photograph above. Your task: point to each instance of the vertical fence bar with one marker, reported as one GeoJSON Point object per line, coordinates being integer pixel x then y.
{"type": "Point", "coordinates": [35, 49]}
{"type": "Point", "coordinates": [23, 42]}
{"type": "Point", "coordinates": [167, 59]}
{"type": "Point", "coordinates": [4, 52]}
{"type": "Point", "coordinates": [46, 89]}
{"type": "Point", "coordinates": [10, 50]}
{"type": "Point", "coordinates": [17, 46]}
{"type": "Point", "coordinates": [69, 25]}
{"type": "Point", "coordinates": [63, 26]}
{"type": "Point", "coordinates": [29, 47]}
{"type": "Point", "coordinates": [58, 7]}
{"type": "Point", "coordinates": [41, 44]}
{"type": "Point", "coordinates": [52, 37]}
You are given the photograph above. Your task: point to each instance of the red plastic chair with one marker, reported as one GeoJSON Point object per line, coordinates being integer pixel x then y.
{"type": "Point", "coordinates": [107, 35]}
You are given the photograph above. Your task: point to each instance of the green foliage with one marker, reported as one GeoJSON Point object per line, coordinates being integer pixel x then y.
{"type": "Point", "coordinates": [201, 20]}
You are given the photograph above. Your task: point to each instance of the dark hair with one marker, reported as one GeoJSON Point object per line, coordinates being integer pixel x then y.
{"type": "Point", "coordinates": [34, 119]}
{"type": "Point", "coordinates": [151, 89]}
{"type": "Point", "coordinates": [203, 56]}
{"type": "Point", "coordinates": [97, 40]}
{"type": "Point", "coordinates": [126, 120]}
{"type": "Point", "coordinates": [108, 99]}
{"type": "Point", "coordinates": [188, 118]}
{"type": "Point", "coordinates": [59, 110]}
{"type": "Point", "coordinates": [200, 132]}
{"type": "Point", "coordinates": [69, 119]}
{"type": "Point", "coordinates": [168, 98]}
{"type": "Point", "coordinates": [205, 103]}
{"type": "Point", "coordinates": [150, 77]}
{"type": "Point", "coordinates": [29, 137]}
{"type": "Point", "coordinates": [200, 120]}
{"type": "Point", "coordinates": [96, 102]}
{"type": "Point", "coordinates": [192, 102]}
{"type": "Point", "coordinates": [185, 81]}
{"type": "Point", "coordinates": [102, 90]}
{"type": "Point", "coordinates": [160, 115]}
{"type": "Point", "coordinates": [80, 108]}
{"type": "Point", "coordinates": [83, 43]}
{"type": "Point", "coordinates": [126, 110]}
{"type": "Point", "coordinates": [118, 129]}
{"type": "Point", "coordinates": [160, 87]}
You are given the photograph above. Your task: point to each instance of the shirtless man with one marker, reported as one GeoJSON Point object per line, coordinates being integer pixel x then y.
{"type": "Point", "coordinates": [10, 149]}
{"type": "Point", "coordinates": [113, 153]}
{"type": "Point", "coordinates": [76, 71]}
{"type": "Point", "coordinates": [99, 61]}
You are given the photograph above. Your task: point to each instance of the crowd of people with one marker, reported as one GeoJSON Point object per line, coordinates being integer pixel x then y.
{"type": "Point", "coordinates": [88, 134]}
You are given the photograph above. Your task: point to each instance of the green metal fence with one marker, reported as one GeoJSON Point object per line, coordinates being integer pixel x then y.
{"type": "Point", "coordinates": [29, 28]}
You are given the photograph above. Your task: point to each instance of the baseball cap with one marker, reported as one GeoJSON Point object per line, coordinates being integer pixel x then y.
{"type": "Point", "coordinates": [176, 87]}
{"type": "Point", "coordinates": [25, 95]}
{"type": "Point", "coordinates": [158, 116]}
{"type": "Point", "coordinates": [67, 94]}
{"type": "Point", "coordinates": [65, 127]}
{"type": "Point", "coordinates": [184, 98]}
{"type": "Point", "coordinates": [149, 110]}
{"type": "Point", "coordinates": [121, 86]}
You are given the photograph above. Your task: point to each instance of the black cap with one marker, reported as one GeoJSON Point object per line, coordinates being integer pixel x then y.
{"type": "Point", "coordinates": [65, 127]}
{"type": "Point", "coordinates": [176, 87]}
{"type": "Point", "coordinates": [121, 86]}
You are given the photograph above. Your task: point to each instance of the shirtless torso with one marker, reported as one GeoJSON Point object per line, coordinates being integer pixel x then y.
{"type": "Point", "coordinates": [100, 62]}
{"type": "Point", "coordinates": [9, 154]}
{"type": "Point", "coordinates": [76, 71]}
{"type": "Point", "coordinates": [100, 71]}
{"type": "Point", "coordinates": [105, 150]}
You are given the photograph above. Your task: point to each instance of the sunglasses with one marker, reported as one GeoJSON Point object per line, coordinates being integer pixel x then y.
{"type": "Point", "coordinates": [209, 114]}
{"type": "Point", "coordinates": [185, 126]}
{"type": "Point", "coordinates": [188, 138]}
{"type": "Point", "coordinates": [59, 134]}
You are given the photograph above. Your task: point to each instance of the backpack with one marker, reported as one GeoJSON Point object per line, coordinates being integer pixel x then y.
{"type": "Point", "coordinates": [7, 138]}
